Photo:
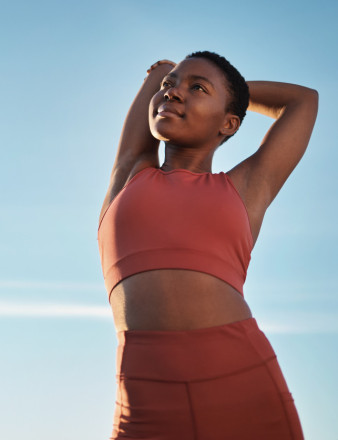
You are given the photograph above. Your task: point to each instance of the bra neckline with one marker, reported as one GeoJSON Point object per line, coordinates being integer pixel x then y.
{"type": "Point", "coordinates": [187, 171]}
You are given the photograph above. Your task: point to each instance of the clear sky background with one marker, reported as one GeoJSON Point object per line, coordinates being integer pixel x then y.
{"type": "Point", "coordinates": [69, 71]}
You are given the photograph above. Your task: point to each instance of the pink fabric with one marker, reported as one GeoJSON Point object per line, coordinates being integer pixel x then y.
{"type": "Point", "coordinates": [208, 384]}
{"type": "Point", "coordinates": [176, 220]}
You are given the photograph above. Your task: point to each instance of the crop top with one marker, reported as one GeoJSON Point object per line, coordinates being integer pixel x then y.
{"type": "Point", "coordinates": [176, 220]}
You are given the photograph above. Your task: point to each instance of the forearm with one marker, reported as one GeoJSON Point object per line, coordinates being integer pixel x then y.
{"type": "Point", "coordinates": [136, 130]}
{"type": "Point", "coordinates": [152, 82]}
{"type": "Point", "coordinates": [272, 98]}
{"type": "Point", "coordinates": [151, 85]}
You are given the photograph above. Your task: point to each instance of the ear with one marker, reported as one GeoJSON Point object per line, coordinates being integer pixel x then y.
{"type": "Point", "coordinates": [230, 125]}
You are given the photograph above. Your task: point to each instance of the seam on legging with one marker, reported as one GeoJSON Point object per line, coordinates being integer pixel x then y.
{"type": "Point", "coordinates": [119, 392]}
{"type": "Point", "coordinates": [220, 376]}
{"type": "Point", "coordinates": [121, 406]}
{"type": "Point", "coordinates": [194, 427]}
{"type": "Point", "coordinates": [265, 363]}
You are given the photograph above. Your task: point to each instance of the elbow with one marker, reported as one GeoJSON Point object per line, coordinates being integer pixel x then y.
{"type": "Point", "coordinates": [305, 96]}
{"type": "Point", "coordinates": [315, 99]}
{"type": "Point", "coordinates": [311, 99]}
{"type": "Point", "coordinates": [313, 95]}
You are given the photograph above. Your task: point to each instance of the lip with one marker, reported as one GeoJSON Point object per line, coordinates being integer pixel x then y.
{"type": "Point", "coordinates": [168, 115]}
{"type": "Point", "coordinates": [168, 111]}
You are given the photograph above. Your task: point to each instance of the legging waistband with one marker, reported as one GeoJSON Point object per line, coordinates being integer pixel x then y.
{"type": "Point", "coordinates": [192, 355]}
{"type": "Point", "coordinates": [151, 336]}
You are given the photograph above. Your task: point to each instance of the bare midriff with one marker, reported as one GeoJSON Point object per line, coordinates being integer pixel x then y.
{"type": "Point", "coordinates": [175, 299]}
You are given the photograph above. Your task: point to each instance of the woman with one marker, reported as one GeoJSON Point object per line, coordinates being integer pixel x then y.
{"type": "Point", "coordinates": [175, 244]}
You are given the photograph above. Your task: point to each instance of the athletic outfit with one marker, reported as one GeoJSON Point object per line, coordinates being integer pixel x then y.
{"type": "Point", "coordinates": [213, 383]}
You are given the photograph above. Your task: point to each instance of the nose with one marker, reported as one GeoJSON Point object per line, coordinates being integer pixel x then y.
{"type": "Point", "coordinates": [173, 94]}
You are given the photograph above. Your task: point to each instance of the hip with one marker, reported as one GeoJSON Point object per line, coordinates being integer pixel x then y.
{"type": "Point", "coordinates": [214, 383]}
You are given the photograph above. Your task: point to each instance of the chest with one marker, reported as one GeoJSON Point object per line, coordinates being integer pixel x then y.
{"type": "Point", "coordinates": [187, 205]}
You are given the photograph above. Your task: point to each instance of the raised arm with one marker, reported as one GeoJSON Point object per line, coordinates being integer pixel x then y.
{"type": "Point", "coordinates": [261, 176]}
{"type": "Point", "coordinates": [136, 138]}
{"type": "Point", "coordinates": [136, 141]}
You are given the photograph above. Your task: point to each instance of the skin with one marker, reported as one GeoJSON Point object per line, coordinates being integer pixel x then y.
{"type": "Point", "coordinates": [178, 299]}
{"type": "Point", "coordinates": [202, 103]}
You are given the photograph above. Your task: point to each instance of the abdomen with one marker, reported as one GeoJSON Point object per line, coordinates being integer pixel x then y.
{"type": "Point", "coordinates": [175, 299]}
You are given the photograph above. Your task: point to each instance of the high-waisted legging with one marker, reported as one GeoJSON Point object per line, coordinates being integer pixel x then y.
{"type": "Point", "coordinates": [217, 383]}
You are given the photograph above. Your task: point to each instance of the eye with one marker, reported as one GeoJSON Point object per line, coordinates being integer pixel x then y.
{"type": "Point", "coordinates": [198, 87]}
{"type": "Point", "coordinates": [166, 83]}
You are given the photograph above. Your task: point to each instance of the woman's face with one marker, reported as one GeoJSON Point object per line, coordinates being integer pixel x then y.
{"type": "Point", "coordinates": [189, 108]}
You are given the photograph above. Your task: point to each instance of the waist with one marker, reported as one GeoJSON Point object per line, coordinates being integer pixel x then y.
{"type": "Point", "coordinates": [193, 355]}
{"type": "Point", "coordinates": [175, 299]}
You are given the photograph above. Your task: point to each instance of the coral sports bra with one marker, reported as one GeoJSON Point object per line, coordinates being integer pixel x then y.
{"type": "Point", "coordinates": [176, 220]}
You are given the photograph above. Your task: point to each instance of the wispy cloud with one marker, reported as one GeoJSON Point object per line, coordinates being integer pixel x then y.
{"type": "Point", "coordinates": [297, 322]}
{"type": "Point", "coordinates": [27, 284]}
{"type": "Point", "coordinates": [290, 291]}
{"type": "Point", "coordinates": [43, 310]}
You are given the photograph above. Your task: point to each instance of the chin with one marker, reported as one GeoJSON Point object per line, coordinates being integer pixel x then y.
{"type": "Point", "coordinates": [169, 134]}
{"type": "Point", "coordinates": [161, 135]}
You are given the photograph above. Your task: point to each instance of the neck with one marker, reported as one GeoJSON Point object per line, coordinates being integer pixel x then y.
{"type": "Point", "coordinates": [197, 161]}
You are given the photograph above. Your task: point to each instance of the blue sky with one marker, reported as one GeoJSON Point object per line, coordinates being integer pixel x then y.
{"type": "Point", "coordinates": [69, 71]}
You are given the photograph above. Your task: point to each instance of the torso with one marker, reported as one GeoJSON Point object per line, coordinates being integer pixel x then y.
{"type": "Point", "coordinates": [173, 299]}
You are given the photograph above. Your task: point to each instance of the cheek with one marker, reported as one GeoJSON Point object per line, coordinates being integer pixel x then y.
{"type": "Point", "coordinates": [151, 110]}
{"type": "Point", "coordinates": [209, 118]}
{"type": "Point", "coordinates": [156, 99]}
{"type": "Point", "coordinates": [154, 103]}
{"type": "Point", "coordinates": [153, 124]}
{"type": "Point", "coordinates": [151, 106]}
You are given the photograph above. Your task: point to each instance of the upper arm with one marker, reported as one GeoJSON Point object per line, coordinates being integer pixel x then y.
{"type": "Point", "coordinates": [260, 177]}
{"type": "Point", "coordinates": [282, 148]}
{"type": "Point", "coordinates": [136, 139]}
{"type": "Point", "coordinates": [284, 145]}
{"type": "Point", "coordinates": [137, 147]}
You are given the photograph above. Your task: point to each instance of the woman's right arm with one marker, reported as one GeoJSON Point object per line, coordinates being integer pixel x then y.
{"type": "Point", "coordinates": [136, 141]}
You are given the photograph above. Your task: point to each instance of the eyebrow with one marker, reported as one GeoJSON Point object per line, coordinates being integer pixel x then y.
{"type": "Point", "coordinates": [194, 78]}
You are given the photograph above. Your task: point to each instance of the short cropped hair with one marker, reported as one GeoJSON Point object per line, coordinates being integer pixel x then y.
{"type": "Point", "coordinates": [235, 84]}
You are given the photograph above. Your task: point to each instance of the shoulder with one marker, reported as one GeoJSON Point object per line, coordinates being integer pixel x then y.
{"type": "Point", "coordinates": [121, 174]}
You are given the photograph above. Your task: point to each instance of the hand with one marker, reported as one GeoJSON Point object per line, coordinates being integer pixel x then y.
{"type": "Point", "coordinates": [158, 63]}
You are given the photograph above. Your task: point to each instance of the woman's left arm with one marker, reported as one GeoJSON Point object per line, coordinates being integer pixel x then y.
{"type": "Point", "coordinates": [259, 177]}
{"type": "Point", "coordinates": [295, 109]}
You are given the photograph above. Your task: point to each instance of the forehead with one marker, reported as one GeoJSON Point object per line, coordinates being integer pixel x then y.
{"type": "Point", "coordinates": [201, 67]}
